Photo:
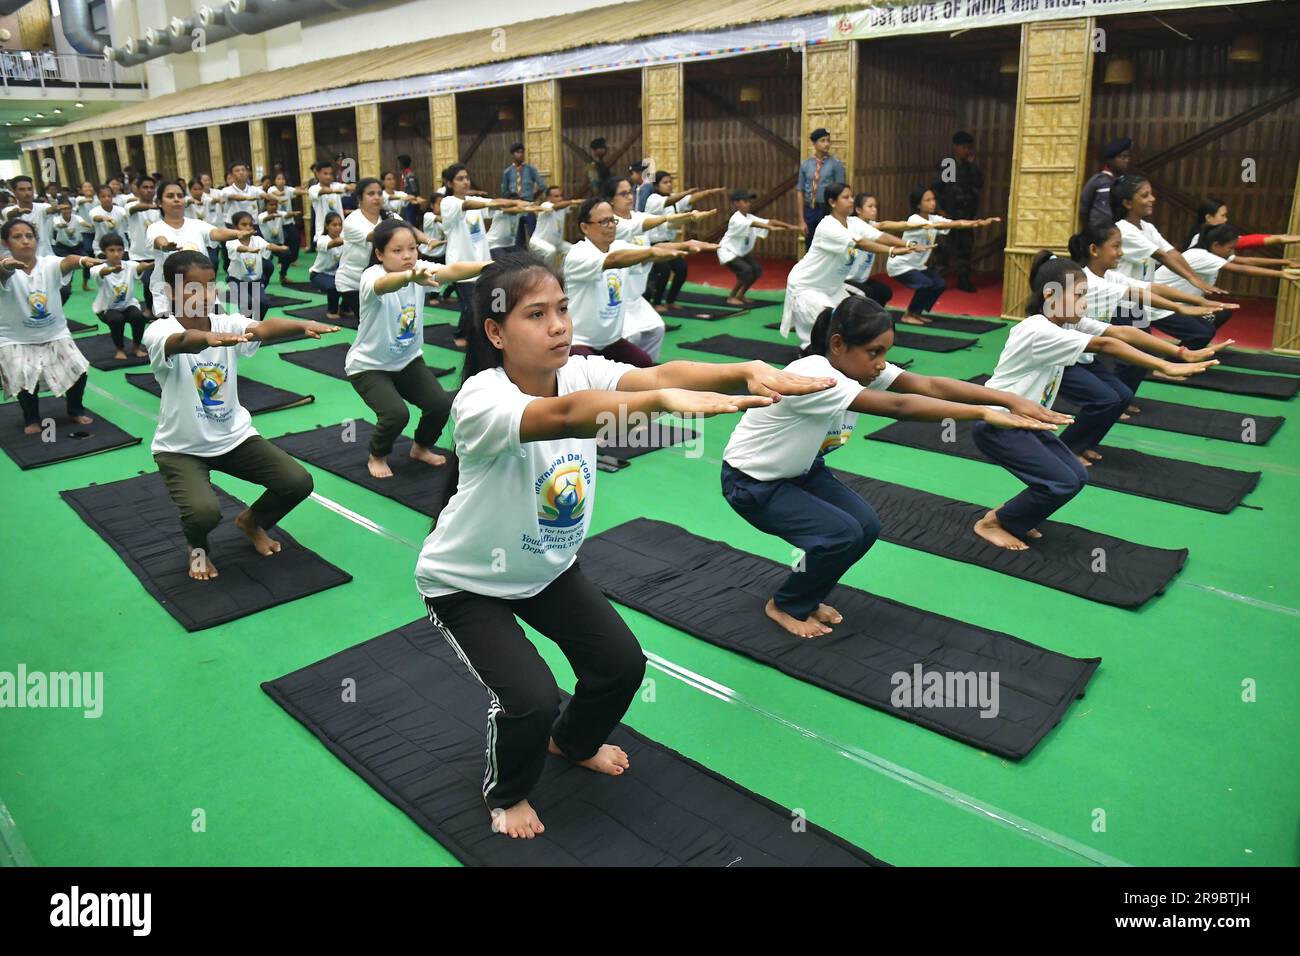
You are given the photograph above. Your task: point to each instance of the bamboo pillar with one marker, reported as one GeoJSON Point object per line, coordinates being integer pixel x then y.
{"type": "Point", "coordinates": [216, 157]}
{"type": "Point", "coordinates": [443, 132]}
{"type": "Point", "coordinates": [123, 155]}
{"type": "Point", "coordinates": [257, 148]}
{"type": "Point", "coordinates": [542, 130]}
{"type": "Point", "coordinates": [1286, 324]}
{"type": "Point", "coordinates": [663, 118]}
{"type": "Point", "coordinates": [184, 163]}
{"type": "Point", "coordinates": [370, 162]}
{"type": "Point", "coordinates": [150, 154]}
{"type": "Point", "coordinates": [306, 128]}
{"type": "Point", "coordinates": [101, 163]}
{"type": "Point", "coordinates": [1048, 163]}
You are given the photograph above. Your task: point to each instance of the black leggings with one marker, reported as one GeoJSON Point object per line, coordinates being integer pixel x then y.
{"type": "Point", "coordinates": [350, 301]}
{"type": "Point", "coordinates": [873, 289]}
{"type": "Point", "coordinates": [117, 319]}
{"type": "Point", "coordinates": [524, 712]}
{"type": "Point", "coordinates": [746, 268]}
{"type": "Point", "coordinates": [31, 404]}
{"type": "Point", "coordinates": [659, 274]}
{"type": "Point", "coordinates": [465, 295]}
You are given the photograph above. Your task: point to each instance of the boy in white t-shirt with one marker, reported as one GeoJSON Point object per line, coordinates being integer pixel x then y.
{"type": "Point", "coordinates": [246, 274]}
{"type": "Point", "coordinates": [736, 250]}
{"type": "Point", "coordinates": [325, 195]}
{"type": "Point", "coordinates": [115, 301]}
{"type": "Point", "coordinates": [201, 425]}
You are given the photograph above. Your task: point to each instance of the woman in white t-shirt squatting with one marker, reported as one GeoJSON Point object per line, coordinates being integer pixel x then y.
{"type": "Point", "coordinates": [36, 347]}
{"type": "Point", "coordinates": [1056, 334]}
{"type": "Point", "coordinates": [329, 246]}
{"type": "Point", "coordinates": [643, 327]}
{"type": "Point", "coordinates": [736, 250]}
{"type": "Point", "coordinates": [194, 354]}
{"type": "Point", "coordinates": [865, 219]}
{"type": "Point", "coordinates": [1132, 201]}
{"type": "Point", "coordinates": [1099, 392]}
{"type": "Point", "coordinates": [115, 302]}
{"type": "Point", "coordinates": [598, 285]}
{"type": "Point", "coordinates": [1215, 251]}
{"type": "Point", "coordinates": [913, 270]}
{"type": "Point", "coordinates": [465, 225]}
{"type": "Point", "coordinates": [774, 473]}
{"type": "Point", "coordinates": [176, 232]}
{"type": "Point", "coordinates": [385, 362]}
{"type": "Point", "coordinates": [816, 282]}
{"type": "Point", "coordinates": [506, 544]}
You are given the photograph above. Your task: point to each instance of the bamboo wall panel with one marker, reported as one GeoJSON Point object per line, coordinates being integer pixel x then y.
{"type": "Point", "coordinates": [404, 129]}
{"type": "Point", "coordinates": [369, 161]}
{"type": "Point", "coordinates": [1286, 325]}
{"type": "Point", "coordinates": [184, 159]}
{"type": "Point", "coordinates": [444, 136]}
{"type": "Point", "coordinates": [335, 137]}
{"type": "Point", "coordinates": [102, 168]}
{"type": "Point", "coordinates": [830, 85]}
{"type": "Point", "coordinates": [599, 107]}
{"type": "Point", "coordinates": [259, 164]}
{"type": "Point", "coordinates": [88, 163]}
{"type": "Point", "coordinates": [542, 144]}
{"type": "Point", "coordinates": [477, 111]}
{"type": "Point", "coordinates": [150, 145]}
{"type": "Point", "coordinates": [1180, 91]}
{"type": "Point", "coordinates": [907, 113]}
{"type": "Point", "coordinates": [723, 150]}
{"type": "Point", "coordinates": [164, 150]}
{"type": "Point", "coordinates": [662, 117]}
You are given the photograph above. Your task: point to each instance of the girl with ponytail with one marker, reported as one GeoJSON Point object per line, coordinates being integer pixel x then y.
{"type": "Point", "coordinates": [505, 545]}
{"type": "Point", "coordinates": [1102, 395]}
{"type": "Point", "coordinates": [1056, 334]}
{"type": "Point", "coordinates": [774, 473]}
{"type": "Point", "coordinates": [1214, 212]}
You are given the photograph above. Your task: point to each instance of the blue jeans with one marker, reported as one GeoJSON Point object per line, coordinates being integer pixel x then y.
{"type": "Point", "coordinates": [1042, 462]}
{"type": "Point", "coordinates": [927, 284]}
{"type": "Point", "coordinates": [830, 523]}
{"type": "Point", "coordinates": [1101, 396]}
{"type": "Point", "coordinates": [324, 282]}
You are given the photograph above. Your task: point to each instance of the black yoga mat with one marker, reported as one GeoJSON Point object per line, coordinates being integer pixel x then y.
{"type": "Point", "coordinates": [774, 352]}
{"type": "Point", "coordinates": [328, 360]}
{"type": "Point", "coordinates": [297, 286]}
{"type": "Point", "coordinates": [1187, 483]}
{"type": "Point", "coordinates": [442, 334]}
{"type": "Point", "coordinates": [422, 487]}
{"type": "Point", "coordinates": [954, 323]}
{"type": "Point", "coordinates": [137, 519]}
{"type": "Point", "coordinates": [1238, 383]}
{"type": "Point", "coordinates": [703, 313]}
{"type": "Point", "coordinates": [255, 396]}
{"type": "Point", "coordinates": [1066, 558]}
{"type": "Point", "coordinates": [1254, 361]}
{"type": "Point", "coordinates": [1188, 419]}
{"type": "Point", "coordinates": [659, 433]}
{"type": "Point", "coordinates": [77, 327]}
{"type": "Point", "coordinates": [718, 299]}
{"type": "Point", "coordinates": [316, 313]}
{"type": "Point", "coordinates": [716, 593]}
{"type": "Point", "coordinates": [272, 301]}
{"type": "Point", "coordinates": [416, 734]}
{"type": "Point", "coordinates": [70, 439]}
{"type": "Point", "coordinates": [917, 341]}
{"type": "Point", "coordinates": [99, 349]}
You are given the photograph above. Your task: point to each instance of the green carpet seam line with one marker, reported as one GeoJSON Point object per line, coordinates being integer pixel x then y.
{"type": "Point", "coordinates": [897, 772]}
{"type": "Point", "coordinates": [1243, 598]}
{"type": "Point", "coordinates": [13, 849]}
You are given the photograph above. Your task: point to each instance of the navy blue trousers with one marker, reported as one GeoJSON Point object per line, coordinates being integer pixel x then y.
{"type": "Point", "coordinates": [1192, 331]}
{"type": "Point", "coordinates": [1101, 397]}
{"type": "Point", "coordinates": [927, 286]}
{"type": "Point", "coordinates": [830, 523]}
{"type": "Point", "coordinates": [1039, 459]}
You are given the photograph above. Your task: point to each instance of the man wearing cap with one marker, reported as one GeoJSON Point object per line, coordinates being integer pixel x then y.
{"type": "Point", "coordinates": [641, 187]}
{"type": "Point", "coordinates": [816, 173]}
{"type": "Point", "coordinates": [957, 189]}
{"type": "Point", "coordinates": [1095, 202]}
{"type": "Point", "coordinates": [597, 171]}
{"type": "Point", "coordinates": [523, 180]}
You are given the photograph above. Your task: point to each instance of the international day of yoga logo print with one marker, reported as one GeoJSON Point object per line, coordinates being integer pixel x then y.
{"type": "Point", "coordinates": [405, 328]}
{"type": "Point", "coordinates": [562, 493]}
{"type": "Point", "coordinates": [837, 437]}
{"type": "Point", "coordinates": [209, 382]}
{"type": "Point", "coordinates": [38, 306]}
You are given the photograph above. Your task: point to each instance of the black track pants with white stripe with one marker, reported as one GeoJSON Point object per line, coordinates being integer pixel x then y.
{"type": "Point", "coordinates": [524, 709]}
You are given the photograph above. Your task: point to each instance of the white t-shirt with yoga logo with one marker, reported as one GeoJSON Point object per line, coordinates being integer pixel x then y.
{"type": "Point", "coordinates": [116, 289]}
{"type": "Point", "coordinates": [466, 231]}
{"type": "Point", "coordinates": [324, 200]}
{"type": "Point", "coordinates": [31, 312]}
{"type": "Point", "coordinates": [521, 509]}
{"type": "Point", "coordinates": [390, 329]}
{"type": "Point", "coordinates": [784, 440]}
{"type": "Point", "coordinates": [200, 412]}
{"type": "Point", "coordinates": [247, 266]}
{"type": "Point", "coordinates": [597, 295]}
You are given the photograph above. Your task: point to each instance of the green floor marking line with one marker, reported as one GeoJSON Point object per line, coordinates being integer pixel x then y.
{"type": "Point", "coordinates": [13, 850]}
{"type": "Point", "coordinates": [887, 768]}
